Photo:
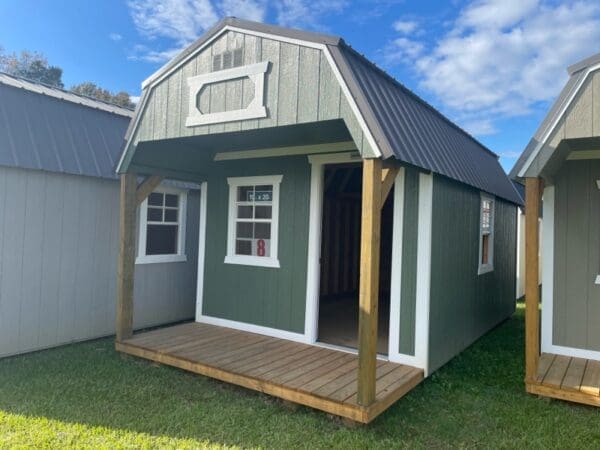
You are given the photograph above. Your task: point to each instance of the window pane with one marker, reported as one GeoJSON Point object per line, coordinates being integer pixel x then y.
{"type": "Point", "coordinates": [485, 250]}
{"type": "Point", "coordinates": [171, 200]}
{"type": "Point", "coordinates": [245, 193]}
{"type": "Point", "coordinates": [245, 212]}
{"type": "Point", "coordinates": [155, 214]}
{"type": "Point", "coordinates": [171, 215]}
{"type": "Point", "coordinates": [155, 199]}
{"type": "Point", "coordinates": [263, 193]}
{"type": "Point", "coordinates": [262, 231]}
{"type": "Point", "coordinates": [243, 247]}
{"type": "Point", "coordinates": [262, 212]}
{"type": "Point", "coordinates": [244, 230]}
{"type": "Point", "coordinates": [161, 240]}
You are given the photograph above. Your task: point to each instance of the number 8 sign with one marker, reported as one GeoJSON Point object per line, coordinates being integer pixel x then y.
{"type": "Point", "coordinates": [260, 247]}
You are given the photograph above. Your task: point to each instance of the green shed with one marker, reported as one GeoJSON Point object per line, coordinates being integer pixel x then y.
{"type": "Point", "coordinates": [561, 170]}
{"type": "Point", "coordinates": [352, 239]}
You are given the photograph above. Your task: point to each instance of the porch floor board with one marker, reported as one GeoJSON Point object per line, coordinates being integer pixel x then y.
{"type": "Point", "coordinates": [567, 378]}
{"type": "Point", "coordinates": [318, 377]}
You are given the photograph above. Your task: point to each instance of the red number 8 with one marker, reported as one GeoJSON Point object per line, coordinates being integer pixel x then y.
{"type": "Point", "coordinates": [260, 247]}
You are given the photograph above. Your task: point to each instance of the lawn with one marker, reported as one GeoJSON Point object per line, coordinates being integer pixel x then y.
{"type": "Point", "coordinates": [87, 395]}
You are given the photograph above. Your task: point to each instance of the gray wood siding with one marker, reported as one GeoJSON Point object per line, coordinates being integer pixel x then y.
{"type": "Point", "coordinates": [300, 87]}
{"type": "Point", "coordinates": [577, 256]}
{"type": "Point", "coordinates": [409, 262]}
{"type": "Point", "coordinates": [271, 297]}
{"type": "Point", "coordinates": [58, 254]}
{"type": "Point", "coordinates": [581, 120]}
{"type": "Point", "coordinates": [465, 305]}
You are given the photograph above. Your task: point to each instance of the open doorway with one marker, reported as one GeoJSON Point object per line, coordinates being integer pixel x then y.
{"type": "Point", "coordinates": [340, 259]}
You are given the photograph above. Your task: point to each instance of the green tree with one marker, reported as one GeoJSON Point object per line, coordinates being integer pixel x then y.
{"type": "Point", "coordinates": [31, 65]}
{"type": "Point", "coordinates": [92, 90]}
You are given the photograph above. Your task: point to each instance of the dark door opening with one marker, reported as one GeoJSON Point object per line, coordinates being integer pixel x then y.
{"type": "Point", "coordinates": [340, 259]}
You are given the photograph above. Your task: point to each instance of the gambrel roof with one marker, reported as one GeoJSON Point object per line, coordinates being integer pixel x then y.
{"type": "Point", "coordinates": [47, 128]}
{"type": "Point", "coordinates": [396, 122]}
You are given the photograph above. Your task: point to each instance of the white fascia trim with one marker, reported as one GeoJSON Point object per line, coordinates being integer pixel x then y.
{"type": "Point", "coordinates": [548, 200]}
{"type": "Point", "coordinates": [353, 106]}
{"type": "Point", "coordinates": [201, 249]}
{"type": "Point", "coordinates": [258, 329]}
{"type": "Point", "coordinates": [552, 125]}
{"type": "Point", "coordinates": [396, 275]}
{"type": "Point", "coordinates": [423, 291]}
{"type": "Point", "coordinates": [285, 151]}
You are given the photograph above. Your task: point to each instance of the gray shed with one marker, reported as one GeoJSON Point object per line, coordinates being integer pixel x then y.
{"type": "Point", "coordinates": [59, 217]}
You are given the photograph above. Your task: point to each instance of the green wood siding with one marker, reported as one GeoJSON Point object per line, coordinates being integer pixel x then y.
{"type": "Point", "coordinates": [409, 262]}
{"type": "Point", "coordinates": [300, 87]}
{"type": "Point", "coordinates": [577, 256]}
{"type": "Point", "coordinates": [465, 305]}
{"type": "Point", "coordinates": [268, 297]}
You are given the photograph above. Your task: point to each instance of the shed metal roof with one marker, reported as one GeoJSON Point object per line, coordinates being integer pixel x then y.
{"type": "Point", "coordinates": [47, 128]}
{"type": "Point", "coordinates": [403, 125]}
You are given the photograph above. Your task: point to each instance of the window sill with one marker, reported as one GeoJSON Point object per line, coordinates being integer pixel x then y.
{"type": "Point", "coordinates": [485, 269]}
{"type": "Point", "coordinates": [154, 259]}
{"type": "Point", "coordinates": [258, 261]}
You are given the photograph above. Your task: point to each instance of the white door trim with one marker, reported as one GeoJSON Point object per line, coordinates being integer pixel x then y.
{"type": "Point", "coordinates": [201, 250]}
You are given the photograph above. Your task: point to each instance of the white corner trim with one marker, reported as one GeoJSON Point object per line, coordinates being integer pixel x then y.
{"type": "Point", "coordinates": [285, 151]}
{"type": "Point", "coordinates": [423, 291]}
{"type": "Point", "coordinates": [201, 249]}
{"type": "Point", "coordinates": [396, 275]}
{"type": "Point", "coordinates": [255, 110]}
{"type": "Point", "coordinates": [552, 125]}
{"type": "Point", "coordinates": [258, 329]}
{"type": "Point", "coordinates": [548, 200]}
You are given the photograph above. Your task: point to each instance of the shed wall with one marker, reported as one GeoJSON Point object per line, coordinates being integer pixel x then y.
{"type": "Point", "coordinates": [58, 253]}
{"type": "Point", "coordinates": [465, 305]}
{"type": "Point", "coordinates": [312, 92]}
{"type": "Point", "coordinates": [577, 256]}
{"type": "Point", "coordinates": [270, 297]}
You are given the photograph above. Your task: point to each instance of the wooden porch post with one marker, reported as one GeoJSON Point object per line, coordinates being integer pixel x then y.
{"type": "Point", "coordinates": [532, 293]}
{"type": "Point", "coordinates": [369, 279]}
{"type": "Point", "coordinates": [126, 262]}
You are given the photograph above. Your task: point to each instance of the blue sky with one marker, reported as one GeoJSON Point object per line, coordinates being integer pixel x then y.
{"type": "Point", "coordinates": [492, 66]}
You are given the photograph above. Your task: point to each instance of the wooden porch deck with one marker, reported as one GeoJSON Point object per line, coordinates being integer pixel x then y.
{"type": "Point", "coordinates": [314, 376]}
{"type": "Point", "coordinates": [566, 378]}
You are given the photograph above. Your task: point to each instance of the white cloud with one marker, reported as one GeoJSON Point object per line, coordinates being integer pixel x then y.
{"type": "Point", "coordinates": [306, 13]}
{"type": "Point", "coordinates": [244, 9]}
{"type": "Point", "coordinates": [135, 99]}
{"type": "Point", "coordinates": [405, 26]}
{"type": "Point", "coordinates": [479, 127]}
{"type": "Point", "coordinates": [115, 37]}
{"type": "Point", "coordinates": [502, 58]}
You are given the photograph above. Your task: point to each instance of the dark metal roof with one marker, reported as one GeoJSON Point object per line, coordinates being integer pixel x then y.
{"type": "Point", "coordinates": [418, 134]}
{"type": "Point", "coordinates": [50, 129]}
{"type": "Point", "coordinates": [403, 125]}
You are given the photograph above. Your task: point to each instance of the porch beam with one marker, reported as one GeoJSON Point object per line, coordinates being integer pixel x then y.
{"type": "Point", "coordinates": [369, 279]}
{"type": "Point", "coordinates": [146, 187]}
{"type": "Point", "coordinates": [533, 192]}
{"type": "Point", "coordinates": [126, 262]}
{"type": "Point", "coordinates": [388, 176]}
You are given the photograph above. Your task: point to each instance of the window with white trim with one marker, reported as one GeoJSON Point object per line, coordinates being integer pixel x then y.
{"type": "Point", "coordinates": [162, 226]}
{"type": "Point", "coordinates": [486, 234]}
{"type": "Point", "coordinates": [253, 221]}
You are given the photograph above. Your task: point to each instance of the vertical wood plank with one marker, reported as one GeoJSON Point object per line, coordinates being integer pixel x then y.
{"type": "Point", "coordinates": [369, 280]}
{"type": "Point", "coordinates": [532, 324]}
{"type": "Point", "coordinates": [126, 262]}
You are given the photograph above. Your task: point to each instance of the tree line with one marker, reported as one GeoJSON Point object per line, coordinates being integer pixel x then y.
{"type": "Point", "coordinates": [35, 67]}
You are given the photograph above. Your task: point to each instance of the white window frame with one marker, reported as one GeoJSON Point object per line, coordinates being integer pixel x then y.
{"type": "Point", "coordinates": [489, 267]}
{"type": "Point", "coordinates": [180, 256]}
{"type": "Point", "coordinates": [249, 260]}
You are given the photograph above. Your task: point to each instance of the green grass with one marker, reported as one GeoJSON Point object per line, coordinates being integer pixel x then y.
{"type": "Point", "coordinates": [87, 395]}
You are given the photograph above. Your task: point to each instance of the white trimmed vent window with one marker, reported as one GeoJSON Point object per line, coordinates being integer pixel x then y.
{"type": "Point", "coordinates": [486, 235]}
{"type": "Point", "coordinates": [253, 221]}
{"type": "Point", "coordinates": [162, 226]}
